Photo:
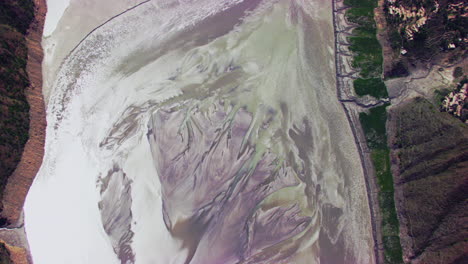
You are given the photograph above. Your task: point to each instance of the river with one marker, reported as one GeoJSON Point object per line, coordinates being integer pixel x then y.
{"type": "Point", "coordinates": [200, 132]}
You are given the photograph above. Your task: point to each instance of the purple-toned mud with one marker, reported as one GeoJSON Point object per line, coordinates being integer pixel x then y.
{"type": "Point", "coordinates": [116, 214]}
{"type": "Point", "coordinates": [213, 185]}
{"type": "Point", "coordinates": [200, 132]}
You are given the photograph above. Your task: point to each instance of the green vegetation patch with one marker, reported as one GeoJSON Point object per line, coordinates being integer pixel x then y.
{"type": "Point", "coordinates": [393, 251]}
{"type": "Point", "coordinates": [366, 49]}
{"type": "Point", "coordinates": [373, 124]}
{"type": "Point", "coordinates": [368, 59]}
{"type": "Point", "coordinates": [367, 55]}
{"type": "Point", "coordinates": [362, 16]}
{"type": "Point", "coordinates": [372, 86]}
{"type": "Point", "coordinates": [361, 3]}
{"type": "Point", "coordinates": [381, 161]}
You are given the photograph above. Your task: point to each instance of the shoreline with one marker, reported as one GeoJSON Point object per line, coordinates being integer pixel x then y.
{"type": "Point", "coordinates": [20, 181]}
{"type": "Point", "coordinates": [352, 106]}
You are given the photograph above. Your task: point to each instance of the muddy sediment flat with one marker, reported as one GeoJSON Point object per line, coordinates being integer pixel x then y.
{"type": "Point", "coordinates": [214, 126]}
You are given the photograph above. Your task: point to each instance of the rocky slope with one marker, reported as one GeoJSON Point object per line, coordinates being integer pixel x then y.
{"type": "Point", "coordinates": [430, 151]}
{"type": "Point", "coordinates": [422, 33]}
{"type": "Point", "coordinates": [16, 184]}
{"type": "Point", "coordinates": [424, 42]}
{"type": "Point", "coordinates": [456, 102]}
{"type": "Point", "coordinates": [14, 118]}
{"type": "Point", "coordinates": [21, 179]}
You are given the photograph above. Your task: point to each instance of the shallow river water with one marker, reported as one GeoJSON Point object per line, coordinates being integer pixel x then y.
{"type": "Point", "coordinates": [202, 132]}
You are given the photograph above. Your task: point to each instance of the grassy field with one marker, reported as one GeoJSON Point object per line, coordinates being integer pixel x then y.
{"type": "Point", "coordinates": [366, 49]}
{"type": "Point", "coordinates": [372, 86]}
{"type": "Point", "coordinates": [368, 59]}
{"type": "Point", "coordinates": [373, 124]}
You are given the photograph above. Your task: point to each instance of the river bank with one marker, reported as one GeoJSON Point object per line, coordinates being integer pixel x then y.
{"type": "Point", "coordinates": [31, 160]}
{"type": "Point", "coordinates": [353, 106]}
{"type": "Point", "coordinates": [20, 181]}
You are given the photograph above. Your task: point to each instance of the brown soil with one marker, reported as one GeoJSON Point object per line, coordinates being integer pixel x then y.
{"type": "Point", "coordinates": [389, 55]}
{"type": "Point", "coordinates": [14, 248]}
{"type": "Point", "coordinates": [18, 255]}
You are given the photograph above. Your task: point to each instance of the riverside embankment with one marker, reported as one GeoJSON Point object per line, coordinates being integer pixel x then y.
{"type": "Point", "coordinates": [13, 236]}
{"type": "Point", "coordinates": [353, 105]}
